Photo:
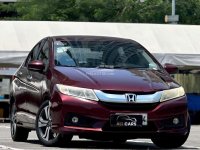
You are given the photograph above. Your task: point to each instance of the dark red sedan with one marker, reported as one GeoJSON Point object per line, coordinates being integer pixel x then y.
{"type": "Point", "coordinates": [99, 88]}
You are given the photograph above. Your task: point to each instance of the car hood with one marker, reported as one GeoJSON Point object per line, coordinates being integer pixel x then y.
{"type": "Point", "coordinates": [116, 79]}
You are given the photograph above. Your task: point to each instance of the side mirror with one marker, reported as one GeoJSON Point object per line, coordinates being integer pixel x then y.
{"type": "Point", "coordinates": [170, 68]}
{"type": "Point", "coordinates": [36, 65]}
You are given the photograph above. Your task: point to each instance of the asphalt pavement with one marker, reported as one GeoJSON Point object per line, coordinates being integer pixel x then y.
{"type": "Point", "coordinates": [32, 143]}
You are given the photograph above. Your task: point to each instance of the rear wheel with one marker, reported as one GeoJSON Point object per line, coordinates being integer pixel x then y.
{"type": "Point", "coordinates": [44, 128]}
{"type": "Point", "coordinates": [171, 140]}
{"type": "Point", "coordinates": [17, 133]}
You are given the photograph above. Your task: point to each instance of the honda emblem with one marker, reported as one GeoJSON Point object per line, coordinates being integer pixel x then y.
{"type": "Point", "coordinates": [130, 97]}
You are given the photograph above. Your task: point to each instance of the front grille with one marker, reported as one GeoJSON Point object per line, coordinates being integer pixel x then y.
{"type": "Point", "coordinates": [130, 106]}
{"type": "Point", "coordinates": [124, 92]}
{"type": "Point", "coordinates": [149, 128]}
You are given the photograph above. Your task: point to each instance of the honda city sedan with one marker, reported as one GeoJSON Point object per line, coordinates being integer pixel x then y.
{"type": "Point", "coordinates": [99, 88]}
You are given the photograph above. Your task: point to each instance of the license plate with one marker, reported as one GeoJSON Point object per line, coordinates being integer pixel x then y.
{"type": "Point", "coordinates": [128, 120]}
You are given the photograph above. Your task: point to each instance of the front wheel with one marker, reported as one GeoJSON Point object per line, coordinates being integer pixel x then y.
{"type": "Point", "coordinates": [44, 128]}
{"type": "Point", "coordinates": [171, 140]}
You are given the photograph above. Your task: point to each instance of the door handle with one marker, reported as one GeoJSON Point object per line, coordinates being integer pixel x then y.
{"type": "Point", "coordinates": [29, 77]}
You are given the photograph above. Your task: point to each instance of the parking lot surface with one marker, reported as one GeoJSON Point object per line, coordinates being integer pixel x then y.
{"type": "Point", "coordinates": [6, 142]}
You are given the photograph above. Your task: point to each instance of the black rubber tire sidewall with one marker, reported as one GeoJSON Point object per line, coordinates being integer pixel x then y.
{"type": "Point", "coordinates": [171, 140]}
{"type": "Point", "coordinates": [20, 134]}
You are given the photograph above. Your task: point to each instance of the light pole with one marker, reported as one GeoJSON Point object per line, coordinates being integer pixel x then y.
{"type": "Point", "coordinates": [172, 18]}
{"type": "Point", "coordinates": [173, 7]}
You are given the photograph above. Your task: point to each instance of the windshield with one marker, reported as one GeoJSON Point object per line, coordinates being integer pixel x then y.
{"type": "Point", "coordinates": [102, 54]}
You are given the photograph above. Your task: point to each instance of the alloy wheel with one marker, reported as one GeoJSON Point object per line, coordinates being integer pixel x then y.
{"type": "Point", "coordinates": [45, 125]}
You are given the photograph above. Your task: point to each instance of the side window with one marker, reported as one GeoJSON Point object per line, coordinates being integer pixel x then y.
{"type": "Point", "coordinates": [35, 51]}
{"type": "Point", "coordinates": [44, 55]}
{"type": "Point", "coordinates": [29, 58]}
{"type": "Point", "coordinates": [33, 54]}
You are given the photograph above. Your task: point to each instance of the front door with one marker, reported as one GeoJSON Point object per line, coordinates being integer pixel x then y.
{"type": "Point", "coordinates": [37, 80]}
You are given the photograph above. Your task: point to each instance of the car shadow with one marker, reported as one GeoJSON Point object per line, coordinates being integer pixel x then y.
{"type": "Point", "coordinates": [86, 144]}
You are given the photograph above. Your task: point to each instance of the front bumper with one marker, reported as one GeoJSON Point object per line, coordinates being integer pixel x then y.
{"type": "Point", "coordinates": [94, 117]}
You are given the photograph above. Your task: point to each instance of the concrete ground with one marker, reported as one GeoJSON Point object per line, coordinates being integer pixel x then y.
{"type": "Point", "coordinates": [6, 142]}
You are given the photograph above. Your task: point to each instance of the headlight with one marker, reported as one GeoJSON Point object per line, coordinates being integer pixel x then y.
{"type": "Point", "coordinates": [77, 92]}
{"type": "Point", "coordinates": [172, 93]}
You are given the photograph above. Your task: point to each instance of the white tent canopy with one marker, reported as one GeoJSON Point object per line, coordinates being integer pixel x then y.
{"type": "Point", "coordinates": [177, 44]}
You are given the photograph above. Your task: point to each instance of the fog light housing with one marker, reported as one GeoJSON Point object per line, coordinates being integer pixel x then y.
{"type": "Point", "coordinates": [176, 121]}
{"type": "Point", "coordinates": [75, 120]}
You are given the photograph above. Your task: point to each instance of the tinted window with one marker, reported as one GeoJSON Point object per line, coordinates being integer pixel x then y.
{"type": "Point", "coordinates": [44, 54]}
{"type": "Point", "coordinates": [36, 50]}
{"type": "Point", "coordinates": [33, 54]}
{"type": "Point", "coordinates": [109, 54]}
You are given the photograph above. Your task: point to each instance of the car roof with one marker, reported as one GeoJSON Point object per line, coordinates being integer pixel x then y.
{"type": "Point", "coordinates": [90, 38]}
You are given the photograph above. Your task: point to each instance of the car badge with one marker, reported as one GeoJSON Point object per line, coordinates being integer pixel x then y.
{"type": "Point", "coordinates": [130, 97]}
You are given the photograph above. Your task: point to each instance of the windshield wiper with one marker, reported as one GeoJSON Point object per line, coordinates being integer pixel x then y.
{"type": "Point", "coordinates": [66, 66]}
{"type": "Point", "coordinates": [130, 66]}
{"type": "Point", "coordinates": [116, 67]}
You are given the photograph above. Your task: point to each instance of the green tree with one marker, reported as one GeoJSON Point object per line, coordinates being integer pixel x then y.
{"type": "Point", "coordinates": [189, 11]}
{"type": "Point", "coordinates": [153, 11]}
{"type": "Point", "coordinates": [150, 11]}
{"type": "Point", "coordinates": [93, 10]}
{"type": "Point", "coordinates": [46, 10]}
{"type": "Point", "coordinates": [7, 11]}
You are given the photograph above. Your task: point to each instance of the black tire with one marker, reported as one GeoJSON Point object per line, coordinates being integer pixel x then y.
{"type": "Point", "coordinates": [18, 134]}
{"type": "Point", "coordinates": [171, 140]}
{"type": "Point", "coordinates": [44, 130]}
